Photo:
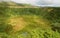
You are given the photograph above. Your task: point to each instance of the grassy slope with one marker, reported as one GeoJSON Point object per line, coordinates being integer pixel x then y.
{"type": "Point", "coordinates": [26, 23]}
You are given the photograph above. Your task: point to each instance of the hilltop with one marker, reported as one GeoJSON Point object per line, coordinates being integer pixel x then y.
{"type": "Point", "coordinates": [16, 5]}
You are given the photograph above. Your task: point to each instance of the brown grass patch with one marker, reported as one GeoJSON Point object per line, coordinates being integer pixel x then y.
{"type": "Point", "coordinates": [18, 23]}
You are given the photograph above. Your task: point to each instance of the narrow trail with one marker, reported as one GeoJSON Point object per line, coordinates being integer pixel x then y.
{"type": "Point", "coordinates": [21, 6]}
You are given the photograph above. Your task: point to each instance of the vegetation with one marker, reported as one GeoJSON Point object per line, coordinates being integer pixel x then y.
{"type": "Point", "coordinates": [29, 22]}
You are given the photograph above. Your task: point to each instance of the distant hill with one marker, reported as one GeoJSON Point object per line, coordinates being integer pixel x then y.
{"type": "Point", "coordinates": [16, 5]}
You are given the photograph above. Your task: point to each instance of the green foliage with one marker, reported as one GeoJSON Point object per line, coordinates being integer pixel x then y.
{"type": "Point", "coordinates": [32, 29]}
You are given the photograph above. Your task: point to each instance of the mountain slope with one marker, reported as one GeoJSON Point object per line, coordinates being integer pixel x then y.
{"type": "Point", "coordinates": [21, 22]}
{"type": "Point", "coordinates": [16, 5]}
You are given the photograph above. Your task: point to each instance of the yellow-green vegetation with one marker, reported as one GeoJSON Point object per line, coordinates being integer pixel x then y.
{"type": "Point", "coordinates": [29, 22]}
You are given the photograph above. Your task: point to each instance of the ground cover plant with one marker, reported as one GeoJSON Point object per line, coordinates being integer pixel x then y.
{"type": "Point", "coordinates": [29, 22]}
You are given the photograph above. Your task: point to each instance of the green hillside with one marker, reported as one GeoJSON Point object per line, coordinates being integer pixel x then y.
{"type": "Point", "coordinates": [29, 22]}
{"type": "Point", "coordinates": [16, 5]}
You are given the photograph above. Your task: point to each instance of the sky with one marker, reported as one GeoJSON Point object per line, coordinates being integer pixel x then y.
{"type": "Point", "coordinates": [54, 3]}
